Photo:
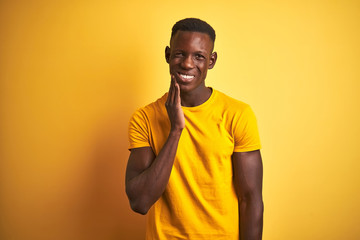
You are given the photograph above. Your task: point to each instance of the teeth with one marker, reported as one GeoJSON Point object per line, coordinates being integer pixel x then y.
{"type": "Point", "coordinates": [186, 76]}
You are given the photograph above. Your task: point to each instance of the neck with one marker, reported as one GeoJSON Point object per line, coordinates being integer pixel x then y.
{"type": "Point", "coordinates": [196, 97]}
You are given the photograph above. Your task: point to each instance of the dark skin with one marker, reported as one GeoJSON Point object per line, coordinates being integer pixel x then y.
{"type": "Point", "coordinates": [189, 57]}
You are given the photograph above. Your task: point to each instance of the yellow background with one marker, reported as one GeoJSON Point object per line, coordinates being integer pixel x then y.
{"type": "Point", "coordinates": [72, 73]}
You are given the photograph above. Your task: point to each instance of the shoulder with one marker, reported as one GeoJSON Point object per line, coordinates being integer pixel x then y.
{"type": "Point", "coordinates": [159, 103]}
{"type": "Point", "coordinates": [150, 110]}
{"type": "Point", "coordinates": [230, 103]}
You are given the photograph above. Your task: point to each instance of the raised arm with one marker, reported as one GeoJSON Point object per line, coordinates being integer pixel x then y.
{"type": "Point", "coordinates": [248, 175]}
{"type": "Point", "coordinates": [146, 174]}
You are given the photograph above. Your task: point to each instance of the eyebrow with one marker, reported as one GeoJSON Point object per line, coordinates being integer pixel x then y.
{"type": "Point", "coordinates": [181, 50]}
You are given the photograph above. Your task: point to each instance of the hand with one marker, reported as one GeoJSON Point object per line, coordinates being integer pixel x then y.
{"type": "Point", "coordinates": [173, 106]}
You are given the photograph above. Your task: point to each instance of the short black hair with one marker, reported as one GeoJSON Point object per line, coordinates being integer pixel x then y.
{"type": "Point", "coordinates": [193, 25]}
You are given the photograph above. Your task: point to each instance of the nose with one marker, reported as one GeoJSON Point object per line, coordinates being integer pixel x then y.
{"type": "Point", "coordinates": [187, 62]}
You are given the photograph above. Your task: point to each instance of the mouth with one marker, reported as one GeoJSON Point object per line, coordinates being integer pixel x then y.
{"type": "Point", "coordinates": [185, 78]}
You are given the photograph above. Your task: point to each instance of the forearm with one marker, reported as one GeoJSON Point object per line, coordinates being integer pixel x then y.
{"type": "Point", "coordinates": [251, 218]}
{"type": "Point", "coordinates": [146, 188]}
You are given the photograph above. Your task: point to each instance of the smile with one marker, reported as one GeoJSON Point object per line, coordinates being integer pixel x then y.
{"type": "Point", "coordinates": [185, 77]}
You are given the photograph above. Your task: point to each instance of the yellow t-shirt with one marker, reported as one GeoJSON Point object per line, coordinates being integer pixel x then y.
{"type": "Point", "coordinates": [200, 200]}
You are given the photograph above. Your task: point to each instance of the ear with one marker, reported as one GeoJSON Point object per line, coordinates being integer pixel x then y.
{"type": "Point", "coordinates": [167, 54]}
{"type": "Point", "coordinates": [213, 58]}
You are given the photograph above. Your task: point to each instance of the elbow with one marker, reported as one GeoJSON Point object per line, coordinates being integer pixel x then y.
{"type": "Point", "coordinates": [261, 208]}
{"type": "Point", "coordinates": [138, 202]}
{"type": "Point", "coordinates": [252, 200]}
{"type": "Point", "coordinates": [252, 206]}
{"type": "Point", "coordinates": [138, 207]}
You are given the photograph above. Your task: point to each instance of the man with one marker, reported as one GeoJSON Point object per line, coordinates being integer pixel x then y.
{"type": "Point", "coordinates": [195, 161]}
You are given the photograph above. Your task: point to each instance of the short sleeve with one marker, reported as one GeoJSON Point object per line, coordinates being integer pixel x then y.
{"type": "Point", "coordinates": [245, 130]}
{"type": "Point", "coordinates": [138, 130]}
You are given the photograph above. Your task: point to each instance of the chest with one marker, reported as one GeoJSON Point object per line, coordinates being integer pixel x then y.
{"type": "Point", "coordinates": [206, 132]}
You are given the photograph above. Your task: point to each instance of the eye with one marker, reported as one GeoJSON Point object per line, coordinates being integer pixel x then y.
{"type": "Point", "coordinates": [199, 56]}
{"type": "Point", "coordinates": [178, 54]}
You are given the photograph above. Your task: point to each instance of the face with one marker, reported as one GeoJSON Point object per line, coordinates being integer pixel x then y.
{"type": "Point", "coordinates": [189, 57]}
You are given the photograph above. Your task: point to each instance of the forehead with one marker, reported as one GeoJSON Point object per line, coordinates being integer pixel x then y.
{"type": "Point", "coordinates": [186, 40]}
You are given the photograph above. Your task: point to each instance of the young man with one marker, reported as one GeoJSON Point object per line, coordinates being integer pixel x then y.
{"type": "Point", "coordinates": [195, 161]}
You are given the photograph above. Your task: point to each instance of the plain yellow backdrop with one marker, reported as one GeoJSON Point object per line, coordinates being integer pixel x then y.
{"type": "Point", "coordinates": [73, 72]}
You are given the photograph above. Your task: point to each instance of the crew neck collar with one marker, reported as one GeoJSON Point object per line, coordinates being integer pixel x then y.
{"type": "Point", "coordinates": [204, 104]}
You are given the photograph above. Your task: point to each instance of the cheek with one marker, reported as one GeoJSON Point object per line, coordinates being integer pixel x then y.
{"type": "Point", "coordinates": [202, 64]}
{"type": "Point", "coordinates": [173, 62]}
{"type": "Point", "coordinates": [203, 67]}
{"type": "Point", "coordinates": [172, 65]}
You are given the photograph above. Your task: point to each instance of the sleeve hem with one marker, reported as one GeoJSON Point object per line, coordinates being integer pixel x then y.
{"type": "Point", "coordinates": [138, 145]}
{"type": "Point", "coordinates": [247, 149]}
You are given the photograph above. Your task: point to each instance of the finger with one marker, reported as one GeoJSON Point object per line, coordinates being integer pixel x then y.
{"type": "Point", "coordinates": [172, 96]}
{"type": "Point", "coordinates": [170, 93]}
{"type": "Point", "coordinates": [177, 95]}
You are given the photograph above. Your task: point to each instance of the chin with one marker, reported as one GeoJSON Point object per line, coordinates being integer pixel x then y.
{"type": "Point", "coordinates": [190, 88]}
{"type": "Point", "coordinates": [184, 88]}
